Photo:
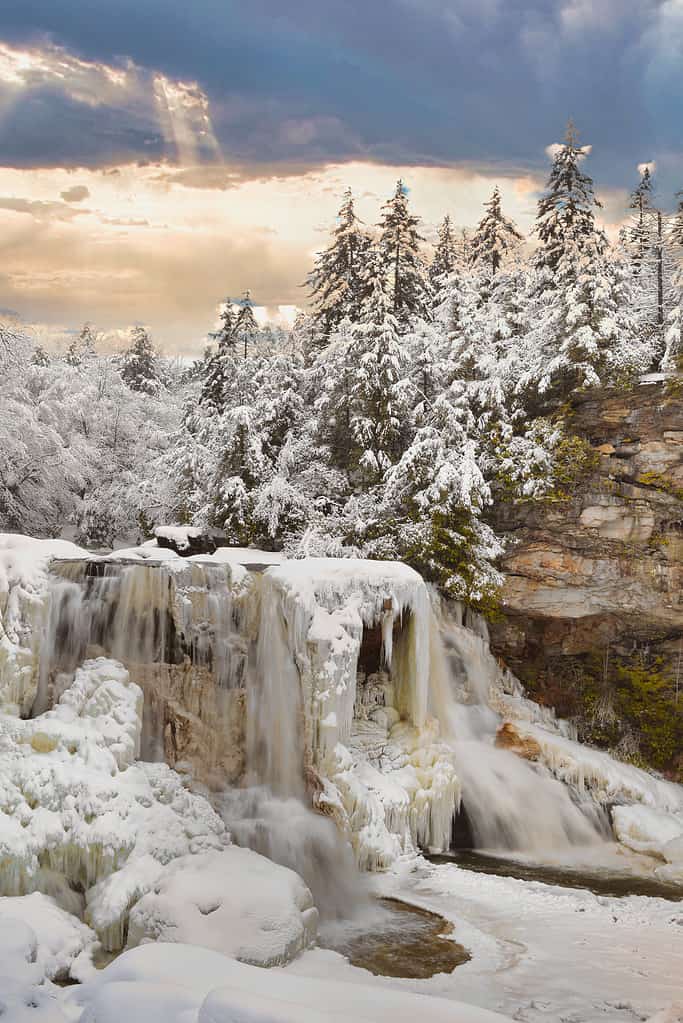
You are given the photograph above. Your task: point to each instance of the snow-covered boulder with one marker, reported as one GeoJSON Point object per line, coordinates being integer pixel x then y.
{"type": "Point", "coordinates": [26, 993]}
{"type": "Point", "coordinates": [235, 902]}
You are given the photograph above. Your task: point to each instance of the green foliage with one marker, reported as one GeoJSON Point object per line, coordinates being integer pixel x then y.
{"type": "Point", "coordinates": [573, 461]}
{"type": "Point", "coordinates": [446, 555]}
{"type": "Point", "coordinates": [658, 481]}
{"type": "Point", "coordinates": [621, 703]}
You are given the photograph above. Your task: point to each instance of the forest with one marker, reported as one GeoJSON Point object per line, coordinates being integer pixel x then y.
{"type": "Point", "coordinates": [422, 385]}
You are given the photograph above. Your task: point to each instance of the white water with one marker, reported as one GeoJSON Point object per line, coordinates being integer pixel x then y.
{"type": "Point", "coordinates": [147, 615]}
{"type": "Point", "coordinates": [150, 618]}
{"type": "Point", "coordinates": [510, 803]}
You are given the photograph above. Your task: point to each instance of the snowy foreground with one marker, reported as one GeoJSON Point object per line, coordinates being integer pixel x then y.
{"type": "Point", "coordinates": [102, 853]}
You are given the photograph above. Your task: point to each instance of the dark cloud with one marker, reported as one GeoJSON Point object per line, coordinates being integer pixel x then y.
{"type": "Point", "coordinates": [75, 194]}
{"type": "Point", "coordinates": [406, 81]}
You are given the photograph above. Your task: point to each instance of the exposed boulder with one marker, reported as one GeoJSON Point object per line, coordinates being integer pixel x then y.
{"type": "Point", "coordinates": [507, 737]}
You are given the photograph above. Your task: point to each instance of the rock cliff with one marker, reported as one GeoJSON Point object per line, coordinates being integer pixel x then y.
{"type": "Point", "coordinates": [593, 595]}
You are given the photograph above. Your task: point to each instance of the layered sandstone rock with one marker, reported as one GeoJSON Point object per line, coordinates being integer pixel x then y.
{"type": "Point", "coordinates": [600, 567]}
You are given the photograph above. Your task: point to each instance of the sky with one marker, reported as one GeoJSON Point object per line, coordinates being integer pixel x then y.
{"type": "Point", "coordinates": [157, 156]}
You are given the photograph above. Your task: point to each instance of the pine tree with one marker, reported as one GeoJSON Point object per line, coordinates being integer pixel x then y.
{"type": "Point", "coordinates": [139, 369]}
{"type": "Point", "coordinates": [399, 249]}
{"type": "Point", "coordinates": [445, 254]}
{"type": "Point", "coordinates": [225, 335]}
{"type": "Point", "coordinates": [639, 235]}
{"type": "Point", "coordinates": [377, 397]}
{"type": "Point", "coordinates": [245, 325]}
{"type": "Point", "coordinates": [565, 222]}
{"type": "Point", "coordinates": [218, 366]}
{"type": "Point", "coordinates": [496, 237]}
{"type": "Point", "coordinates": [335, 281]}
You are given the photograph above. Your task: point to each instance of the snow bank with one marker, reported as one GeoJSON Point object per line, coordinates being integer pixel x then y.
{"type": "Point", "coordinates": [235, 902]}
{"type": "Point", "coordinates": [25, 994]}
{"type": "Point", "coordinates": [184, 984]}
{"type": "Point", "coordinates": [24, 565]}
{"type": "Point", "coordinates": [60, 937]}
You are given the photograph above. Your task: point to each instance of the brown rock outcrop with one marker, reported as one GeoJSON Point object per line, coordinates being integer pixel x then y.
{"type": "Point", "coordinates": [602, 565]}
{"type": "Point", "coordinates": [507, 737]}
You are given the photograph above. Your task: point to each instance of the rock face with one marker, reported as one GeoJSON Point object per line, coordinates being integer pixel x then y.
{"type": "Point", "coordinates": [599, 569]}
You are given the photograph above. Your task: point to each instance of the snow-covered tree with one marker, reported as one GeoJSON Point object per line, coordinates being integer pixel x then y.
{"type": "Point", "coordinates": [639, 231]}
{"type": "Point", "coordinates": [335, 280]}
{"type": "Point", "coordinates": [565, 222]}
{"type": "Point", "coordinates": [81, 347]}
{"type": "Point", "coordinates": [401, 261]}
{"type": "Point", "coordinates": [378, 391]}
{"type": "Point", "coordinates": [40, 356]}
{"type": "Point", "coordinates": [495, 238]}
{"type": "Point", "coordinates": [673, 351]}
{"type": "Point", "coordinates": [245, 324]}
{"type": "Point", "coordinates": [445, 254]}
{"type": "Point", "coordinates": [139, 366]}
{"type": "Point", "coordinates": [225, 335]}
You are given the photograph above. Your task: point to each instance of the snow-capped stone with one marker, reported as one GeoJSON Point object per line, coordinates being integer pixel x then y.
{"type": "Point", "coordinates": [235, 902]}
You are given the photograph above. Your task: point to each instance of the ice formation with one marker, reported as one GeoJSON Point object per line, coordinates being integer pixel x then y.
{"type": "Point", "coordinates": [655, 833]}
{"type": "Point", "coordinates": [24, 565]}
{"type": "Point", "coordinates": [79, 819]}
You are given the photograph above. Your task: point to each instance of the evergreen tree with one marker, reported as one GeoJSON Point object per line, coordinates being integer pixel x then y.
{"type": "Point", "coordinates": [565, 222]}
{"type": "Point", "coordinates": [335, 281]}
{"type": "Point", "coordinates": [674, 329]}
{"type": "Point", "coordinates": [401, 263]}
{"type": "Point", "coordinates": [378, 403]}
{"type": "Point", "coordinates": [225, 335]}
{"type": "Point", "coordinates": [496, 237]}
{"type": "Point", "coordinates": [245, 325]}
{"type": "Point", "coordinates": [639, 235]}
{"type": "Point", "coordinates": [139, 369]}
{"type": "Point", "coordinates": [218, 366]}
{"type": "Point", "coordinates": [445, 254]}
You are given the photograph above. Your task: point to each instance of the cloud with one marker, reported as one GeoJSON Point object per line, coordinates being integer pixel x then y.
{"type": "Point", "coordinates": [75, 194]}
{"type": "Point", "coordinates": [436, 82]}
{"type": "Point", "coordinates": [39, 209]}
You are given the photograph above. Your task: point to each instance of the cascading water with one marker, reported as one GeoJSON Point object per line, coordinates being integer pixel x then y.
{"type": "Point", "coordinates": [510, 804]}
{"type": "Point", "coordinates": [171, 625]}
{"type": "Point", "coordinates": [169, 628]}
{"type": "Point", "coordinates": [270, 814]}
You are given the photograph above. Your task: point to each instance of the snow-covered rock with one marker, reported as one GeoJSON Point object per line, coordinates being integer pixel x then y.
{"type": "Point", "coordinates": [235, 902]}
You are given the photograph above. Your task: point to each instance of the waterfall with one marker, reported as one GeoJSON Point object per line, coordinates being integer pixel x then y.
{"type": "Point", "coordinates": [508, 802]}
